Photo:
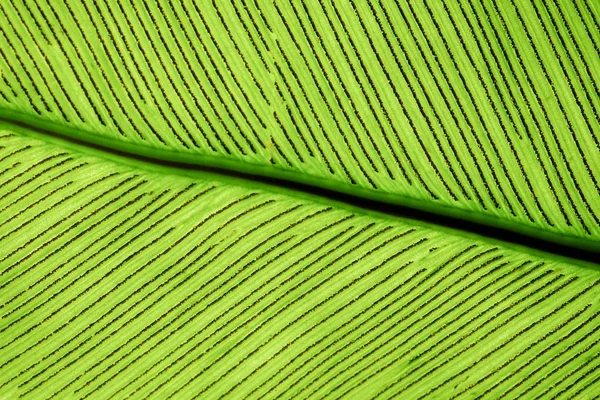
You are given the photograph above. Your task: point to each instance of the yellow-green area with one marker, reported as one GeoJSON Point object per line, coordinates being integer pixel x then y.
{"type": "Point", "coordinates": [123, 281]}
{"type": "Point", "coordinates": [128, 270]}
{"type": "Point", "coordinates": [485, 110]}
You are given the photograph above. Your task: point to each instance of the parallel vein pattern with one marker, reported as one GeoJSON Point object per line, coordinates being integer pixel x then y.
{"type": "Point", "coordinates": [121, 282]}
{"type": "Point", "coordinates": [490, 107]}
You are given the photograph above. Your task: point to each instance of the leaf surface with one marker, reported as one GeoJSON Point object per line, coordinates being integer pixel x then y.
{"type": "Point", "coordinates": [150, 277]}
{"type": "Point", "coordinates": [486, 111]}
{"type": "Point", "coordinates": [122, 280]}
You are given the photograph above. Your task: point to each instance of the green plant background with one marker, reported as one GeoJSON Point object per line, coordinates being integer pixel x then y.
{"type": "Point", "coordinates": [123, 277]}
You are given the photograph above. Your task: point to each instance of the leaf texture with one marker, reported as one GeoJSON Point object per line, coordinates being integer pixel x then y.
{"type": "Point", "coordinates": [487, 110]}
{"type": "Point", "coordinates": [122, 279]}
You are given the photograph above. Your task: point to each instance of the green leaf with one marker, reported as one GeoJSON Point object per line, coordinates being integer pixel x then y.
{"type": "Point", "coordinates": [121, 278]}
{"type": "Point", "coordinates": [486, 111]}
{"type": "Point", "coordinates": [149, 277]}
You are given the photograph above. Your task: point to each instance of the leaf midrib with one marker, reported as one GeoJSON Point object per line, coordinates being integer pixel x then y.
{"type": "Point", "coordinates": [459, 222]}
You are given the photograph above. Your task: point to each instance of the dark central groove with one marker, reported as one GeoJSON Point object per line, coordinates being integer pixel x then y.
{"type": "Point", "coordinates": [393, 210]}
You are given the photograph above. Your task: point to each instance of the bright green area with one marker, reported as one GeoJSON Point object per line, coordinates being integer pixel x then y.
{"type": "Point", "coordinates": [486, 111]}
{"type": "Point", "coordinates": [120, 279]}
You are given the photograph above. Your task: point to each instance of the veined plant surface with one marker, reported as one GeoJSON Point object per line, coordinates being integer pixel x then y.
{"type": "Point", "coordinates": [487, 111]}
{"type": "Point", "coordinates": [122, 276]}
{"type": "Point", "coordinates": [118, 280]}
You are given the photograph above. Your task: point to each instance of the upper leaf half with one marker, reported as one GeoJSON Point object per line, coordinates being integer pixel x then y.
{"type": "Point", "coordinates": [487, 111]}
